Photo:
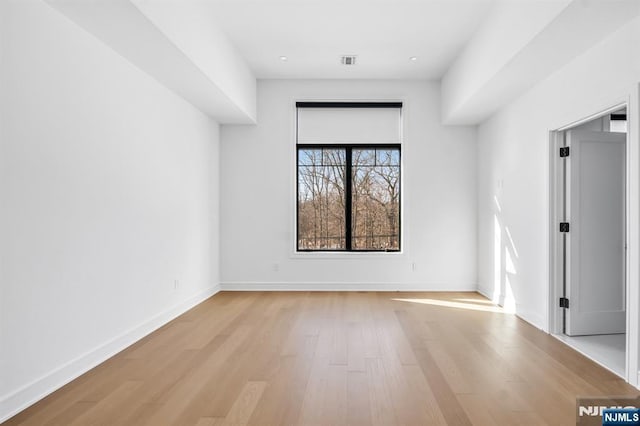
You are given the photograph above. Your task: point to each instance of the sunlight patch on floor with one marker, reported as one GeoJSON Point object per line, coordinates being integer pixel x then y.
{"type": "Point", "coordinates": [455, 305]}
{"type": "Point", "coordinates": [476, 301]}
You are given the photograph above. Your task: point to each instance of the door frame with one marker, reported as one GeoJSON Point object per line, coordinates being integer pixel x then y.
{"type": "Point", "coordinates": [556, 212]}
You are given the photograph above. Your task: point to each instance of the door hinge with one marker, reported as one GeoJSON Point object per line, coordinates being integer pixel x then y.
{"type": "Point", "coordinates": [564, 302]}
{"type": "Point", "coordinates": [564, 151]}
{"type": "Point", "coordinates": [564, 226]}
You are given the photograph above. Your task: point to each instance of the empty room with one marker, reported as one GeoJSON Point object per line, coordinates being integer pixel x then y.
{"type": "Point", "coordinates": [319, 212]}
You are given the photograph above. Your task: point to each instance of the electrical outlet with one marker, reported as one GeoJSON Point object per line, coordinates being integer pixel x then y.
{"type": "Point", "coordinates": [176, 284]}
{"type": "Point", "coordinates": [413, 266]}
{"type": "Point", "coordinates": [275, 267]}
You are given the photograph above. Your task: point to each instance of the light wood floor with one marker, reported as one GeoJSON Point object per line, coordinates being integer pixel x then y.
{"type": "Point", "coordinates": [335, 358]}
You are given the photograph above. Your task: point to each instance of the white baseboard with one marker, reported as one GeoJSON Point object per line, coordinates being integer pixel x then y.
{"type": "Point", "coordinates": [533, 319]}
{"type": "Point", "coordinates": [333, 286]}
{"type": "Point", "coordinates": [483, 292]}
{"type": "Point", "coordinates": [16, 401]}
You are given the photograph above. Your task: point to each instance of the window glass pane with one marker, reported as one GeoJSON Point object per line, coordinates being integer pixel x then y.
{"type": "Point", "coordinates": [388, 157]}
{"type": "Point", "coordinates": [321, 199]}
{"type": "Point", "coordinates": [375, 212]}
{"type": "Point", "coordinates": [363, 157]}
{"type": "Point", "coordinates": [309, 156]}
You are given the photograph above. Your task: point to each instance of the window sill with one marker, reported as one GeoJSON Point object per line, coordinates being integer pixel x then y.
{"type": "Point", "coordinates": [342, 255]}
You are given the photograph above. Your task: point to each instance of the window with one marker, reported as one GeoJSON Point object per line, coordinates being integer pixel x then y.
{"type": "Point", "coordinates": [348, 194]}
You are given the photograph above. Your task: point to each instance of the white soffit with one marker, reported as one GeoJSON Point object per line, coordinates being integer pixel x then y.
{"type": "Point", "coordinates": [128, 31]}
{"type": "Point", "coordinates": [315, 34]}
{"type": "Point", "coordinates": [520, 44]}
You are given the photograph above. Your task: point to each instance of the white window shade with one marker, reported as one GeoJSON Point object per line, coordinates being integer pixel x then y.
{"type": "Point", "coordinates": [349, 125]}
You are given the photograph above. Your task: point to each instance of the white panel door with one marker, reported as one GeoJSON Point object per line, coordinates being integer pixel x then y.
{"type": "Point", "coordinates": [595, 188]}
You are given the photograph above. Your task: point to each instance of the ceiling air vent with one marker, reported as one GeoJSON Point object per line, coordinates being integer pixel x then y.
{"type": "Point", "coordinates": [348, 60]}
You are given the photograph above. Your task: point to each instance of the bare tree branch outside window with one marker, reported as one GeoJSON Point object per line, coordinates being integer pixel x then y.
{"type": "Point", "coordinates": [321, 199]}
{"type": "Point", "coordinates": [373, 203]}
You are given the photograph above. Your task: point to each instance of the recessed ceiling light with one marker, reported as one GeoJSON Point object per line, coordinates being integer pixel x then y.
{"type": "Point", "coordinates": [413, 58]}
{"type": "Point", "coordinates": [348, 60]}
{"type": "Point", "coordinates": [283, 58]}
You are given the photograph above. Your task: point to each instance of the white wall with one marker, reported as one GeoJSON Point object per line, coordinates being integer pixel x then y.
{"type": "Point", "coordinates": [258, 196]}
{"type": "Point", "coordinates": [109, 189]}
{"type": "Point", "coordinates": [513, 168]}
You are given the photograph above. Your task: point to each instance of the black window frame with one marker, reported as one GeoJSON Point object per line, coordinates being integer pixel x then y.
{"type": "Point", "coordinates": [348, 194]}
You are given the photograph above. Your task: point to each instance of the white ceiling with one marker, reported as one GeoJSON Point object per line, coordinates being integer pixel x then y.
{"type": "Point", "coordinates": [384, 34]}
{"type": "Point", "coordinates": [487, 52]}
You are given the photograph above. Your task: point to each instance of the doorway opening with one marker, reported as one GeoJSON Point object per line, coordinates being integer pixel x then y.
{"type": "Point", "coordinates": [588, 238]}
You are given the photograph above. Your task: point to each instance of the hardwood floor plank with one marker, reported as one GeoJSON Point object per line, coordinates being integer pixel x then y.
{"type": "Point", "coordinates": [210, 421]}
{"type": "Point", "coordinates": [105, 411]}
{"type": "Point", "coordinates": [311, 411]}
{"type": "Point", "coordinates": [282, 401]}
{"type": "Point", "coordinates": [243, 407]}
{"type": "Point", "coordinates": [189, 386]}
{"type": "Point", "coordinates": [381, 406]}
{"type": "Point", "coordinates": [423, 395]}
{"type": "Point", "coordinates": [334, 395]}
{"type": "Point", "coordinates": [408, 410]}
{"type": "Point", "coordinates": [69, 415]}
{"type": "Point", "coordinates": [357, 402]}
{"type": "Point", "coordinates": [336, 358]}
{"type": "Point", "coordinates": [355, 348]}
{"type": "Point", "coordinates": [478, 410]}
{"type": "Point", "coordinates": [446, 398]}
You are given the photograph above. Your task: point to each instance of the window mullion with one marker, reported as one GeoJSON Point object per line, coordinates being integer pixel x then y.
{"type": "Point", "coordinates": [348, 199]}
